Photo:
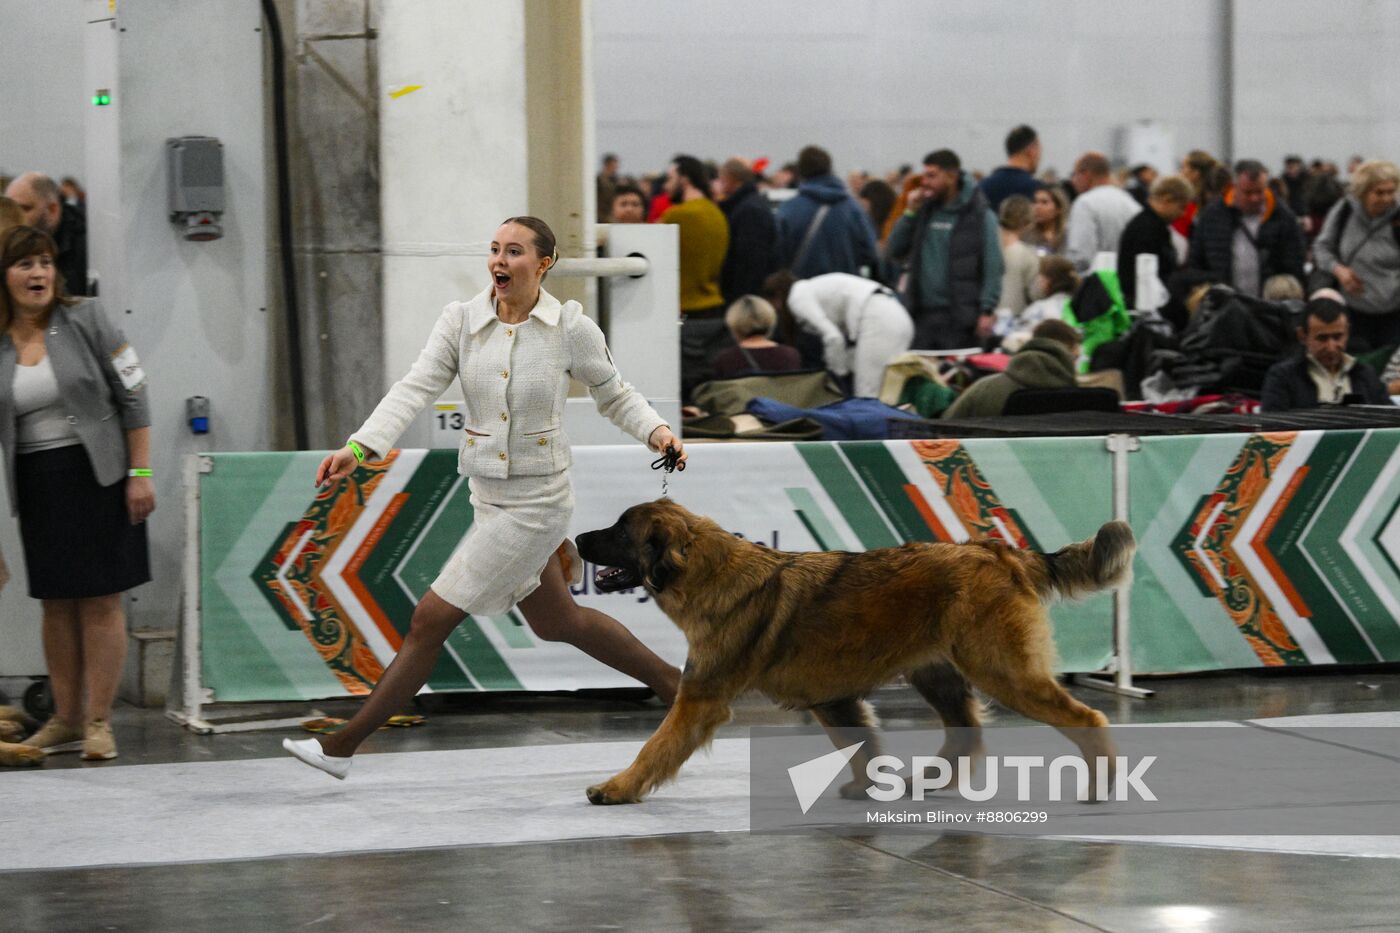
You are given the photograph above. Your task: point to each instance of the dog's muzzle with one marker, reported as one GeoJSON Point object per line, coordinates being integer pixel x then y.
{"type": "Point", "coordinates": [600, 548]}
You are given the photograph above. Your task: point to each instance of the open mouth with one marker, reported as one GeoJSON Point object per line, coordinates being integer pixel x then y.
{"type": "Point", "coordinates": [613, 579]}
{"type": "Point", "coordinates": [502, 280]}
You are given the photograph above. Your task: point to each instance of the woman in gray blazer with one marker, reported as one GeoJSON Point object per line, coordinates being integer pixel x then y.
{"type": "Point", "coordinates": [75, 429]}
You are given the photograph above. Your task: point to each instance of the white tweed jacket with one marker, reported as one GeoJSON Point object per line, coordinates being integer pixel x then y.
{"type": "Point", "coordinates": [514, 380]}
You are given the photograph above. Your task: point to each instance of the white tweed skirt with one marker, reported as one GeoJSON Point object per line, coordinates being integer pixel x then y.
{"type": "Point", "coordinates": [519, 524]}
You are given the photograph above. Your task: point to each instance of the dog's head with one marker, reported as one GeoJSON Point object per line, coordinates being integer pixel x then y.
{"type": "Point", "coordinates": [647, 546]}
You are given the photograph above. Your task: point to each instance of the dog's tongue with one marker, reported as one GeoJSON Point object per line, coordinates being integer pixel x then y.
{"type": "Point", "coordinates": [612, 579]}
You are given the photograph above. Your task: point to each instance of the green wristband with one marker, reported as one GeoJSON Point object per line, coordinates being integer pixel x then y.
{"type": "Point", "coordinates": [357, 450]}
{"type": "Point", "coordinates": [140, 471]}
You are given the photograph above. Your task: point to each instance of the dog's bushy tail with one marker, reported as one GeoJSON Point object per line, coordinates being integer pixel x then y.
{"type": "Point", "coordinates": [1104, 562]}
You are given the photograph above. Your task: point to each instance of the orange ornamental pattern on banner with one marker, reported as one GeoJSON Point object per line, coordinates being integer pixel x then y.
{"type": "Point", "coordinates": [290, 577]}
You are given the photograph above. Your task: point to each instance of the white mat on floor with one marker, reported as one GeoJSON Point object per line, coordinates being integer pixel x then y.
{"type": "Point", "coordinates": [218, 810]}
{"type": "Point", "coordinates": [146, 814]}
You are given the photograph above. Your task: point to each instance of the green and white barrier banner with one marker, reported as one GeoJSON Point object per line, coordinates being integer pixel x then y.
{"type": "Point", "coordinates": [1254, 550]}
{"type": "Point", "coordinates": [1266, 550]}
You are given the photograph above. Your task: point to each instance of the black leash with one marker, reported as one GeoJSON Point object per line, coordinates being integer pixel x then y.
{"type": "Point", "coordinates": [669, 462]}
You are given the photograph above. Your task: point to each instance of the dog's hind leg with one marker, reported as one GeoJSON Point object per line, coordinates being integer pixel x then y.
{"type": "Point", "coordinates": [689, 725]}
{"type": "Point", "coordinates": [949, 693]}
{"type": "Point", "coordinates": [1034, 693]}
{"type": "Point", "coordinates": [848, 721]}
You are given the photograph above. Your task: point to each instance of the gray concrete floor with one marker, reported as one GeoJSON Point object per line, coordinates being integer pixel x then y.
{"type": "Point", "coordinates": [728, 881]}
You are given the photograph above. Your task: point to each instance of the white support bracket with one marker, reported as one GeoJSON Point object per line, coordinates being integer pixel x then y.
{"type": "Point", "coordinates": [1120, 665]}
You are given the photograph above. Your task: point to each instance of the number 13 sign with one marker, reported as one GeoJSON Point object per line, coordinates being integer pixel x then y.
{"type": "Point", "coordinates": [447, 425]}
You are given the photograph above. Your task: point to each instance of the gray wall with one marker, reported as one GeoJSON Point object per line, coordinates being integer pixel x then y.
{"type": "Point", "coordinates": [42, 92]}
{"type": "Point", "coordinates": [881, 82]}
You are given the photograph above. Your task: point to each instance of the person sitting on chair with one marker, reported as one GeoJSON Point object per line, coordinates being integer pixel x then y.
{"type": "Point", "coordinates": [1046, 361]}
{"type": "Point", "coordinates": [751, 321]}
{"type": "Point", "coordinates": [1322, 373]}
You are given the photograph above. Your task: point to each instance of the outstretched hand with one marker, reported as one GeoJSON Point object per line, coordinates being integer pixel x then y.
{"type": "Point", "coordinates": [662, 439]}
{"type": "Point", "coordinates": [337, 465]}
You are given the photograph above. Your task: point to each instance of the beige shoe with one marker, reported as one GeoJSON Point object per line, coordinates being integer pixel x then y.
{"type": "Point", "coordinates": [98, 744]}
{"type": "Point", "coordinates": [56, 736]}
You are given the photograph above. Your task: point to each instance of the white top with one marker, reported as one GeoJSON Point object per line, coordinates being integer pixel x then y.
{"type": "Point", "coordinates": [1331, 387]}
{"type": "Point", "coordinates": [830, 306]}
{"type": "Point", "coordinates": [1096, 221]}
{"type": "Point", "coordinates": [1018, 281]}
{"type": "Point", "coordinates": [1246, 256]}
{"type": "Point", "coordinates": [514, 379]}
{"type": "Point", "coordinates": [41, 420]}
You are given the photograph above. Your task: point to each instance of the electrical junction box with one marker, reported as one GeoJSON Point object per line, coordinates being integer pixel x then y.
{"type": "Point", "coordinates": [195, 176]}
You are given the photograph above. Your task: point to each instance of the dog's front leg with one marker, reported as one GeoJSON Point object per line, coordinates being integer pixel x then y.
{"type": "Point", "coordinates": [688, 726]}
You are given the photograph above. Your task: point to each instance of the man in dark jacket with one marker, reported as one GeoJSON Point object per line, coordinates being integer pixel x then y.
{"type": "Point", "coordinates": [1046, 361]}
{"type": "Point", "coordinates": [1017, 176]}
{"type": "Point", "coordinates": [949, 240]}
{"type": "Point", "coordinates": [1248, 236]}
{"type": "Point", "coordinates": [813, 241]}
{"type": "Point", "coordinates": [1322, 373]}
{"type": "Point", "coordinates": [1150, 232]}
{"type": "Point", "coordinates": [753, 233]}
{"type": "Point", "coordinates": [39, 197]}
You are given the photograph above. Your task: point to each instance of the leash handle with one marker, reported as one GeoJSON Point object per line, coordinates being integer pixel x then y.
{"type": "Point", "coordinates": [668, 462]}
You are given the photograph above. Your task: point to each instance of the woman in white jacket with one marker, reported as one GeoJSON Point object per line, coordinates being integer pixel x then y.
{"type": "Point", "coordinates": [862, 325]}
{"type": "Point", "coordinates": [513, 347]}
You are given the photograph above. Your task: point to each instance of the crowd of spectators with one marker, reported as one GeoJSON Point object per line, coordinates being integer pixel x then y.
{"type": "Point", "coordinates": [851, 273]}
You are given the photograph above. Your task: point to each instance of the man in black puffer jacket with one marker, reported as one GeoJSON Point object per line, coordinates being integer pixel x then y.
{"type": "Point", "coordinates": [753, 233]}
{"type": "Point", "coordinates": [1247, 236]}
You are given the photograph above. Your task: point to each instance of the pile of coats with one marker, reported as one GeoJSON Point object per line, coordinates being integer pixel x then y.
{"type": "Point", "coordinates": [1226, 348]}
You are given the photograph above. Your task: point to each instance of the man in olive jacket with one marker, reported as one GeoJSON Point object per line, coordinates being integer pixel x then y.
{"type": "Point", "coordinates": [1046, 361]}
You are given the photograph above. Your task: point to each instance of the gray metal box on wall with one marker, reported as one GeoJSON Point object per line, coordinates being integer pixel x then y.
{"type": "Point", "coordinates": [195, 175]}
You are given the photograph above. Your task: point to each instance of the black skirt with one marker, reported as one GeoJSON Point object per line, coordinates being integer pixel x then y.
{"type": "Point", "coordinates": [78, 540]}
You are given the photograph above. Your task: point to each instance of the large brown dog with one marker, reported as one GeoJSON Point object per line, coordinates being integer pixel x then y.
{"type": "Point", "coordinates": [819, 631]}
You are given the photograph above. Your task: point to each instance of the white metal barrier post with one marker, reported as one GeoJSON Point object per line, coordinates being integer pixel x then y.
{"type": "Point", "coordinates": [1121, 664]}
{"type": "Point", "coordinates": [185, 701]}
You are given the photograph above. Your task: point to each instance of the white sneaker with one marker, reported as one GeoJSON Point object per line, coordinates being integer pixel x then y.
{"type": "Point", "coordinates": [309, 751]}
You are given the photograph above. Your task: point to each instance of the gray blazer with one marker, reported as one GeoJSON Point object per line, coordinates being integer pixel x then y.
{"type": "Point", "coordinates": [100, 381]}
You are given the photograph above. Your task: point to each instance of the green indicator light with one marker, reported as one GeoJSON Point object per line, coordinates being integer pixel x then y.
{"type": "Point", "coordinates": [101, 99]}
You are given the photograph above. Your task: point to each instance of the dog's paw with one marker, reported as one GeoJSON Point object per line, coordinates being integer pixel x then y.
{"type": "Point", "coordinates": [608, 794]}
{"type": "Point", "coordinates": [15, 714]}
{"type": "Point", "coordinates": [10, 731]}
{"type": "Point", "coordinates": [20, 756]}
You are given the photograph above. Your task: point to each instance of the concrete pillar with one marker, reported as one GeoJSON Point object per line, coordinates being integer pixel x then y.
{"type": "Point", "coordinates": [333, 120]}
{"type": "Point", "coordinates": [559, 121]}
{"type": "Point", "coordinates": [485, 112]}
